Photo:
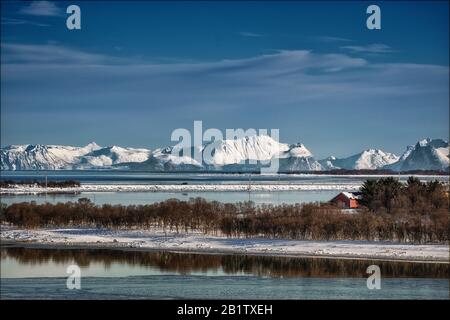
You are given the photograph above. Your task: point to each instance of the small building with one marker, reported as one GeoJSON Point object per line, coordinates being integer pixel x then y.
{"type": "Point", "coordinates": [347, 200]}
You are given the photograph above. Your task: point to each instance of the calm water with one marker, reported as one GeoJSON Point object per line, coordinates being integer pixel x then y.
{"type": "Point", "coordinates": [151, 197]}
{"type": "Point", "coordinates": [126, 177]}
{"type": "Point", "coordinates": [117, 274]}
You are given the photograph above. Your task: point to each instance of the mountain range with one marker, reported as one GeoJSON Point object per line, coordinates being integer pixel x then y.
{"type": "Point", "coordinates": [244, 154]}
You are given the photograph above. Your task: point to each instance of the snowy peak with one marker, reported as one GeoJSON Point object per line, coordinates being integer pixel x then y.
{"type": "Point", "coordinates": [328, 163]}
{"type": "Point", "coordinates": [423, 142]}
{"type": "Point", "coordinates": [92, 146]}
{"type": "Point", "coordinates": [114, 155]}
{"type": "Point", "coordinates": [40, 157]}
{"type": "Point", "coordinates": [367, 159]}
{"type": "Point", "coordinates": [250, 148]}
{"type": "Point", "coordinates": [57, 157]}
{"type": "Point", "coordinates": [406, 154]}
{"type": "Point", "coordinates": [374, 159]}
{"type": "Point", "coordinates": [249, 153]}
{"type": "Point", "coordinates": [427, 154]}
{"type": "Point", "coordinates": [241, 154]}
{"type": "Point", "coordinates": [434, 143]}
{"type": "Point", "coordinates": [299, 151]}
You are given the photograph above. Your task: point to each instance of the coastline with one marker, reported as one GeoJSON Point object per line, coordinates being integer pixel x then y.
{"type": "Point", "coordinates": [27, 189]}
{"type": "Point", "coordinates": [198, 243]}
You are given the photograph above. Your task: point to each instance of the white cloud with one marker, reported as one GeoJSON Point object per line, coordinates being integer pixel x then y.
{"type": "Point", "coordinates": [41, 8]}
{"type": "Point", "coordinates": [250, 34]}
{"type": "Point", "coordinates": [371, 48]}
{"type": "Point", "coordinates": [283, 79]}
{"type": "Point", "coordinates": [332, 39]}
{"type": "Point", "coordinates": [324, 97]}
{"type": "Point", "coordinates": [13, 21]}
{"type": "Point", "coordinates": [49, 53]}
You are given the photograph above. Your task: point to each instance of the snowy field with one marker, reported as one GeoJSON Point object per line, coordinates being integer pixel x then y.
{"type": "Point", "coordinates": [30, 189]}
{"type": "Point", "coordinates": [197, 242]}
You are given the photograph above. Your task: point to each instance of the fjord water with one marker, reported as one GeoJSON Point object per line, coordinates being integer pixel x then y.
{"type": "Point", "coordinates": [116, 274]}
{"type": "Point", "coordinates": [125, 198]}
{"type": "Point", "coordinates": [127, 177]}
{"type": "Point", "coordinates": [138, 177]}
{"type": "Point", "coordinates": [124, 177]}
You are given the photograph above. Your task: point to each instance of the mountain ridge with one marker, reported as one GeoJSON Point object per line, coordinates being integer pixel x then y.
{"type": "Point", "coordinates": [367, 159]}
{"type": "Point", "coordinates": [249, 153]}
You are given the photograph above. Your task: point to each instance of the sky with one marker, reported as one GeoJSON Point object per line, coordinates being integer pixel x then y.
{"type": "Point", "coordinates": [138, 70]}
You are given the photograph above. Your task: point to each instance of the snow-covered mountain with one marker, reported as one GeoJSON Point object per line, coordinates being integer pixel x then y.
{"type": "Point", "coordinates": [109, 156]}
{"type": "Point", "coordinates": [166, 159]}
{"type": "Point", "coordinates": [55, 157]}
{"type": "Point", "coordinates": [368, 159]}
{"type": "Point", "coordinates": [235, 151]}
{"type": "Point", "coordinates": [427, 154]}
{"type": "Point", "coordinates": [244, 154]}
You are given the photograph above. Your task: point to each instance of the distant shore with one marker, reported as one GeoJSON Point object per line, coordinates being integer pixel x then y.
{"type": "Point", "coordinates": [262, 187]}
{"type": "Point", "coordinates": [259, 183]}
{"type": "Point", "coordinates": [336, 172]}
{"type": "Point", "coordinates": [157, 240]}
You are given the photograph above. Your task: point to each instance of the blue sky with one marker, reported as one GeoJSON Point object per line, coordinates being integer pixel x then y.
{"type": "Point", "coordinates": [137, 71]}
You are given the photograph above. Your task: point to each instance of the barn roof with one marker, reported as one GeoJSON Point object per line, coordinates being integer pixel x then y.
{"type": "Point", "coordinates": [352, 195]}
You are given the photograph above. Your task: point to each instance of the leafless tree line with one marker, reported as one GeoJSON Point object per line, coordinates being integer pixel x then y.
{"type": "Point", "coordinates": [417, 213]}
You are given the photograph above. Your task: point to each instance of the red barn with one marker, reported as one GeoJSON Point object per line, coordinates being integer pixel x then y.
{"type": "Point", "coordinates": [348, 200]}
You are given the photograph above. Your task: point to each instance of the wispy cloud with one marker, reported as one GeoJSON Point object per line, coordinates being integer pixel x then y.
{"type": "Point", "coordinates": [332, 39]}
{"type": "Point", "coordinates": [50, 53]}
{"type": "Point", "coordinates": [299, 91]}
{"type": "Point", "coordinates": [13, 21]}
{"type": "Point", "coordinates": [41, 8]}
{"type": "Point", "coordinates": [370, 48]}
{"type": "Point", "coordinates": [285, 76]}
{"type": "Point", "coordinates": [249, 34]}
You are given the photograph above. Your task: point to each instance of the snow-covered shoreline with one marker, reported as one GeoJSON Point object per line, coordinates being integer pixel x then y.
{"type": "Point", "coordinates": [31, 189]}
{"type": "Point", "coordinates": [156, 239]}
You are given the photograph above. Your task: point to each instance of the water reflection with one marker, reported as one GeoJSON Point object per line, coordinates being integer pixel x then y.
{"type": "Point", "coordinates": [187, 263]}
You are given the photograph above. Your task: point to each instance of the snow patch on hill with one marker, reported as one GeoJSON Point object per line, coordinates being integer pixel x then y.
{"type": "Point", "coordinates": [56, 157]}
{"type": "Point", "coordinates": [253, 148]}
{"type": "Point", "coordinates": [427, 154]}
{"type": "Point", "coordinates": [368, 159]}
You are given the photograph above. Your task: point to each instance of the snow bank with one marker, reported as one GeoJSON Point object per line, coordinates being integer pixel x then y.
{"type": "Point", "coordinates": [28, 189]}
{"type": "Point", "coordinates": [158, 240]}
